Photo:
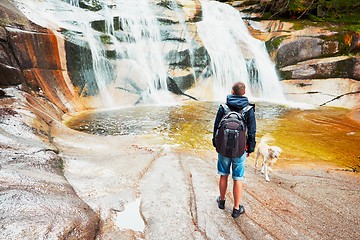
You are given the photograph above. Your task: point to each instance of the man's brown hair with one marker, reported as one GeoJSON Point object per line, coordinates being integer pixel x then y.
{"type": "Point", "coordinates": [238, 88]}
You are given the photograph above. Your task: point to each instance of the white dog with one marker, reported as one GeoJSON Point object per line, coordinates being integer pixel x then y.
{"type": "Point", "coordinates": [270, 155]}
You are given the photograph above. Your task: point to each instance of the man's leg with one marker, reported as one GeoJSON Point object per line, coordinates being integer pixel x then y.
{"type": "Point", "coordinates": [223, 167]}
{"type": "Point", "coordinates": [223, 181]}
{"type": "Point", "coordinates": [237, 191]}
{"type": "Point", "coordinates": [238, 167]}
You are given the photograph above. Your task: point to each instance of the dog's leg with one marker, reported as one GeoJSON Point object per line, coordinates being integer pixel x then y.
{"type": "Point", "coordinates": [267, 174]}
{"type": "Point", "coordinates": [256, 159]}
{"type": "Point", "coordinates": [265, 169]}
{"type": "Point", "coordinates": [264, 162]}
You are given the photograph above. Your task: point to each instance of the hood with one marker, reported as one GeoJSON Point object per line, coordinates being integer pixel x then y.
{"type": "Point", "coordinates": [237, 102]}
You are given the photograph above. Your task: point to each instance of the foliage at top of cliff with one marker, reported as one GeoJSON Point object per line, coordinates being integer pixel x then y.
{"type": "Point", "coordinates": [337, 11]}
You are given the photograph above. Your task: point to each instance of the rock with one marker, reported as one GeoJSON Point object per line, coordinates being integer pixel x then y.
{"type": "Point", "coordinates": [3, 34]}
{"type": "Point", "coordinates": [34, 49]}
{"type": "Point", "coordinates": [183, 78]}
{"type": "Point", "coordinates": [303, 48]}
{"type": "Point", "coordinates": [36, 199]}
{"type": "Point", "coordinates": [355, 43]}
{"type": "Point", "coordinates": [355, 114]}
{"type": "Point", "coordinates": [10, 73]}
{"type": "Point", "coordinates": [11, 16]}
{"type": "Point", "coordinates": [338, 92]}
{"type": "Point", "coordinates": [334, 67]}
{"type": "Point", "coordinates": [52, 84]}
{"type": "Point", "coordinates": [355, 69]}
{"type": "Point", "coordinates": [13, 48]}
{"type": "Point", "coordinates": [35, 191]}
{"type": "Point", "coordinates": [191, 8]}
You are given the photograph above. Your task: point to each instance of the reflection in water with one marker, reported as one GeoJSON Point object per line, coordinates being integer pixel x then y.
{"type": "Point", "coordinates": [325, 135]}
{"type": "Point", "coordinates": [307, 137]}
{"type": "Point", "coordinates": [124, 121]}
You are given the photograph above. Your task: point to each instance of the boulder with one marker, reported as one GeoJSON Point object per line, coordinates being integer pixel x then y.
{"type": "Point", "coordinates": [334, 67]}
{"type": "Point", "coordinates": [304, 48]}
{"type": "Point", "coordinates": [355, 69]}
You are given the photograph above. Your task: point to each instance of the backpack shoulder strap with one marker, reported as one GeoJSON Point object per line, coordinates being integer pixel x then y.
{"type": "Point", "coordinates": [225, 107]}
{"type": "Point", "coordinates": [245, 109]}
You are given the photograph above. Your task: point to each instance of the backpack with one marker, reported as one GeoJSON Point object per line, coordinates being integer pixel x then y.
{"type": "Point", "coordinates": [230, 136]}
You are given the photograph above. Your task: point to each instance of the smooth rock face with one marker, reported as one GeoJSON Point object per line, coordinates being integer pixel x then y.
{"type": "Point", "coordinates": [334, 67]}
{"type": "Point", "coordinates": [337, 92]}
{"type": "Point", "coordinates": [10, 73]}
{"type": "Point", "coordinates": [299, 50]}
{"type": "Point", "coordinates": [36, 200]}
{"type": "Point", "coordinates": [34, 49]}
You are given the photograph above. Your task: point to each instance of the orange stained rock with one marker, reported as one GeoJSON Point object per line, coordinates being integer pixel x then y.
{"type": "Point", "coordinates": [35, 49]}
{"type": "Point", "coordinates": [52, 83]}
{"type": "Point", "coordinates": [38, 55]}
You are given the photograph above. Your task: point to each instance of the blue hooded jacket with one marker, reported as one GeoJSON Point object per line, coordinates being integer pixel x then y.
{"type": "Point", "coordinates": [237, 103]}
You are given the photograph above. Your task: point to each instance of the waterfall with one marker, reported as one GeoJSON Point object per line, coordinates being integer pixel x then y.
{"type": "Point", "coordinates": [130, 49]}
{"type": "Point", "coordinates": [234, 53]}
{"type": "Point", "coordinates": [74, 2]}
{"type": "Point", "coordinates": [143, 47]}
{"type": "Point", "coordinates": [101, 67]}
{"type": "Point", "coordinates": [68, 15]}
{"type": "Point", "coordinates": [137, 44]}
{"type": "Point", "coordinates": [185, 36]}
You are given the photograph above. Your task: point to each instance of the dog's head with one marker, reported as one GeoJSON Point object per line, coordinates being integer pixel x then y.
{"type": "Point", "coordinates": [274, 151]}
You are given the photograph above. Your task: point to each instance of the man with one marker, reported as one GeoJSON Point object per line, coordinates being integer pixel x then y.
{"type": "Point", "coordinates": [236, 101]}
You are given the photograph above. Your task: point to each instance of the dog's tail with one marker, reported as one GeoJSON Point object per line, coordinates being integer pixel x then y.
{"type": "Point", "coordinates": [266, 138]}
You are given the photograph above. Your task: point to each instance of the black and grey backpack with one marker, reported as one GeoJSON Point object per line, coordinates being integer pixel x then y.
{"type": "Point", "coordinates": [230, 136]}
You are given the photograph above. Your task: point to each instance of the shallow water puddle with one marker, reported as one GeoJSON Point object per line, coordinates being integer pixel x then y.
{"type": "Point", "coordinates": [130, 218]}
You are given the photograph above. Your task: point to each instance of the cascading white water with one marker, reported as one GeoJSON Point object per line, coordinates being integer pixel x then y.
{"type": "Point", "coordinates": [109, 20]}
{"type": "Point", "coordinates": [73, 18]}
{"type": "Point", "coordinates": [100, 65]}
{"type": "Point", "coordinates": [184, 33]}
{"type": "Point", "coordinates": [229, 44]}
{"type": "Point", "coordinates": [138, 66]}
{"type": "Point", "coordinates": [144, 47]}
{"type": "Point", "coordinates": [74, 2]}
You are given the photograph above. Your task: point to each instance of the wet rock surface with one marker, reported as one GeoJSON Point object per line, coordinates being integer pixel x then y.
{"type": "Point", "coordinates": [177, 191]}
{"type": "Point", "coordinates": [61, 184]}
{"type": "Point", "coordinates": [37, 202]}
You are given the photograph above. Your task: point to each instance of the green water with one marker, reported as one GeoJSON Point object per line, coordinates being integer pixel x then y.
{"type": "Point", "coordinates": [308, 137]}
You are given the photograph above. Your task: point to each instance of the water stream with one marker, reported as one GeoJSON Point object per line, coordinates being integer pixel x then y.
{"type": "Point", "coordinates": [308, 137]}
